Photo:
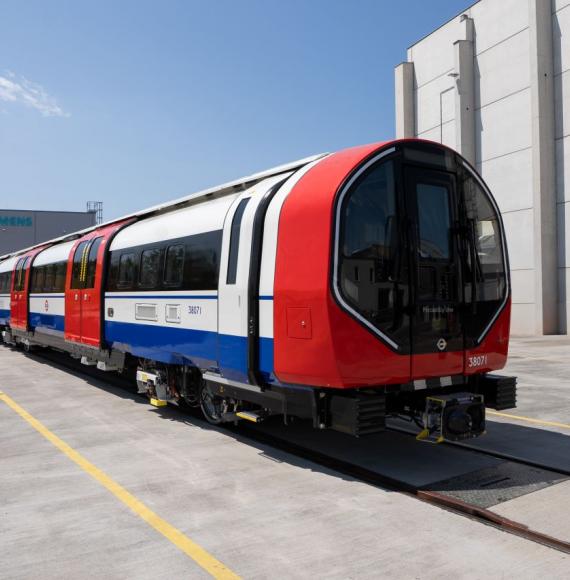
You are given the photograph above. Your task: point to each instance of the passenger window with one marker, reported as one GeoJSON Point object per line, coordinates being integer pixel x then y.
{"type": "Point", "coordinates": [77, 273]}
{"type": "Point", "coordinates": [60, 272]}
{"type": "Point", "coordinates": [234, 241]}
{"type": "Point", "coordinates": [149, 269]}
{"type": "Point", "coordinates": [126, 271]}
{"type": "Point", "coordinates": [92, 263]}
{"type": "Point", "coordinates": [202, 264]}
{"type": "Point", "coordinates": [174, 266]}
{"type": "Point", "coordinates": [49, 278]}
{"type": "Point", "coordinates": [38, 278]}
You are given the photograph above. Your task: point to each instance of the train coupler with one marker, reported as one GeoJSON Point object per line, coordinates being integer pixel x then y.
{"type": "Point", "coordinates": [154, 386]}
{"type": "Point", "coordinates": [453, 417]}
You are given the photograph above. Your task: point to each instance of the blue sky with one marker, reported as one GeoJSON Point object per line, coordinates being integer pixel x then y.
{"type": "Point", "coordinates": [137, 102]}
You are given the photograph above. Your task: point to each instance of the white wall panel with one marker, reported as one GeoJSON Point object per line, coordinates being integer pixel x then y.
{"type": "Point", "coordinates": [502, 70]}
{"type": "Point", "coordinates": [434, 102]}
{"type": "Point", "coordinates": [433, 56]}
{"type": "Point", "coordinates": [504, 126]}
{"type": "Point", "coordinates": [559, 4]}
{"type": "Point", "coordinates": [520, 238]}
{"type": "Point", "coordinates": [523, 321]}
{"type": "Point", "coordinates": [448, 136]}
{"type": "Point", "coordinates": [497, 20]}
{"type": "Point", "coordinates": [561, 40]}
{"type": "Point", "coordinates": [510, 179]}
{"type": "Point", "coordinates": [523, 284]}
{"type": "Point", "coordinates": [433, 134]}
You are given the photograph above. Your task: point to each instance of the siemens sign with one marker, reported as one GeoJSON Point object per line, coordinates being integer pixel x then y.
{"type": "Point", "coordinates": [16, 221]}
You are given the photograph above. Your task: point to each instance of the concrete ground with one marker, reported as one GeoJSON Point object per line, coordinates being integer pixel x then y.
{"type": "Point", "coordinates": [261, 512]}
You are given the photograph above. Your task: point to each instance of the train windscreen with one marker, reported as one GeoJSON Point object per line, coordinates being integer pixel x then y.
{"type": "Point", "coordinates": [420, 251]}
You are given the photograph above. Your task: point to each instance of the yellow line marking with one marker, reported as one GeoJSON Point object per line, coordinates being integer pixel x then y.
{"type": "Point", "coordinates": [181, 541]}
{"type": "Point", "coordinates": [529, 420]}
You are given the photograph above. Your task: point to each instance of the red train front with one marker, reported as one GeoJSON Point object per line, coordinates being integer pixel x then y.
{"type": "Point", "coordinates": [392, 272]}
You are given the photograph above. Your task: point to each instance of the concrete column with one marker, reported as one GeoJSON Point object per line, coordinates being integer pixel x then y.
{"type": "Point", "coordinates": [544, 166]}
{"type": "Point", "coordinates": [405, 101]}
{"type": "Point", "coordinates": [465, 99]}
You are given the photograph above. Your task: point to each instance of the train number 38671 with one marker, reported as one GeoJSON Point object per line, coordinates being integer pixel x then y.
{"type": "Point", "coordinates": [477, 361]}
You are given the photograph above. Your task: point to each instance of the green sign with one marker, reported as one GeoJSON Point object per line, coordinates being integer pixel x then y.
{"type": "Point", "coordinates": [16, 221]}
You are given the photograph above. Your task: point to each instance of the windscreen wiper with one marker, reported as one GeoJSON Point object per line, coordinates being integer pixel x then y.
{"type": "Point", "coordinates": [476, 268]}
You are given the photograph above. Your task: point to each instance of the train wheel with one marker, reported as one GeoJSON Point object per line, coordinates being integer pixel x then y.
{"type": "Point", "coordinates": [211, 405]}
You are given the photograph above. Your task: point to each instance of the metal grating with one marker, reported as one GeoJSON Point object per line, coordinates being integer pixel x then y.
{"type": "Point", "coordinates": [498, 484]}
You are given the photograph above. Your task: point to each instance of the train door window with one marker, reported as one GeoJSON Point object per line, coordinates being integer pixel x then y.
{"type": "Point", "coordinates": [174, 266]}
{"type": "Point", "coordinates": [49, 278]}
{"type": "Point", "coordinates": [92, 263]}
{"type": "Point", "coordinates": [234, 241]}
{"type": "Point", "coordinates": [38, 277]}
{"type": "Point", "coordinates": [18, 273]}
{"type": "Point", "coordinates": [202, 262]}
{"type": "Point", "coordinates": [60, 272]}
{"type": "Point", "coordinates": [434, 221]}
{"type": "Point", "coordinates": [4, 282]}
{"type": "Point", "coordinates": [126, 271]}
{"type": "Point", "coordinates": [77, 273]}
{"type": "Point", "coordinates": [368, 244]}
{"type": "Point", "coordinates": [149, 268]}
{"type": "Point", "coordinates": [21, 274]}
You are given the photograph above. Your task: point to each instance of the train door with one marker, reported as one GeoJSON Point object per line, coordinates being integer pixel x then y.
{"type": "Point", "coordinates": [232, 291]}
{"type": "Point", "coordinates": [234, 300]}
{"type": "Point", "coordinates": [18, 295]}
{"type": "Point", "coordinates": [91, 294]}
{"type": "Point", "coordinates": [19, 298]}
{"type": "Point", "coordinates": [84, 287]}
{"type": "Point", "coordinates": [436, 325]}
{"type": "Point", "coordinates": [73, 287]}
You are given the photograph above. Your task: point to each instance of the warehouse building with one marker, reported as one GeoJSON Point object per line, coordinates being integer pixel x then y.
{"type": "Point", "coordinates": [21, 228]}
{"type": "Point", "coordinates": [494, 83]}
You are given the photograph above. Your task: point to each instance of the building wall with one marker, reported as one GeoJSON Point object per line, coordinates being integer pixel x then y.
{"type": "Point", "coordinates": [21, 229]}
{"type": "Point", "coordinates": [510, 134]}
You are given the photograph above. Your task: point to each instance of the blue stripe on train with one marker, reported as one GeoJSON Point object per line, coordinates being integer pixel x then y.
{"type": "Point", "coordinates": [4, 315]}
{"type": "Point", "coordinates": [51, 321]}
{"type": "Point", "coordinates": [188, 346]}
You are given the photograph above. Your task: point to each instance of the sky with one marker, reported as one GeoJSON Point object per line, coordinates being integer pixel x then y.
{"type": "Point", "coordinates": [134, 103]}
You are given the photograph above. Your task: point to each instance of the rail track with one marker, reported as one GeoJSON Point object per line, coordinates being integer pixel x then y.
{"type": "Point", "coordinates": [353, 470]}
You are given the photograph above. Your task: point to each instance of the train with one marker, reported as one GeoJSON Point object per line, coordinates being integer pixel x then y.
{"type": "Point", "coordinates": [344, 288]}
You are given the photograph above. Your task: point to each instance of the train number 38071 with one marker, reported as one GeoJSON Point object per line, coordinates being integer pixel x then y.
{"type": "Point", "coordinates": [477, 361]}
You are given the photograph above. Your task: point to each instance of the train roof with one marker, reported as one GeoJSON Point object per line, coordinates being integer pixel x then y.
{"type": "Point", "coordinates": [219, 190]}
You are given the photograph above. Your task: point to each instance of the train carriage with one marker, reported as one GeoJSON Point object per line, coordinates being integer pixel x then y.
{"type": "Point", "coordinates": [342, 288]}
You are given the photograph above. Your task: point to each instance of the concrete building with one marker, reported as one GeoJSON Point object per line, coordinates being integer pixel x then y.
{"type": "Point", "coordinates": [21, 228]}
{"type": "Point", "coordinates": [494, 83]}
